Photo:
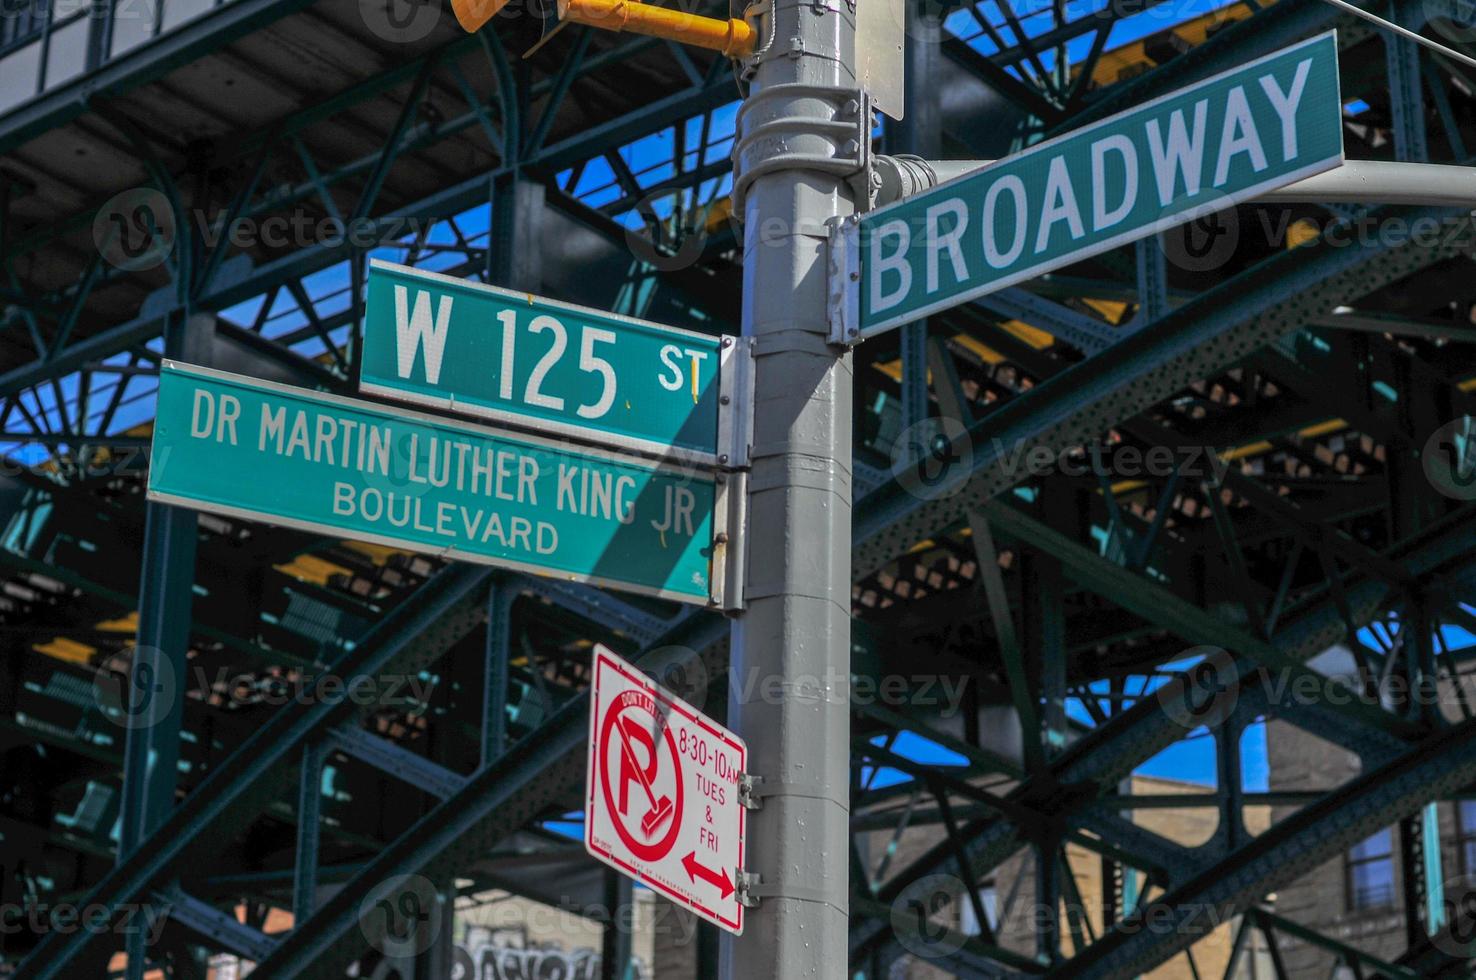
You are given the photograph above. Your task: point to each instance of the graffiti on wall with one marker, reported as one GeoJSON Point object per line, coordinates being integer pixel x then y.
{"type": "Point", "coordinates": [480, 959]}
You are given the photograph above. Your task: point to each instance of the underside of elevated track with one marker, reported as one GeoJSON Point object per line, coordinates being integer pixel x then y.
{"type": "Point", "coordinates": [1241, 443]}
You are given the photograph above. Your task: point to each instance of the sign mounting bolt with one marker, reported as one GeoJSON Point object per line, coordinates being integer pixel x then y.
{"type": "Point", "coordinates": [745, 886]}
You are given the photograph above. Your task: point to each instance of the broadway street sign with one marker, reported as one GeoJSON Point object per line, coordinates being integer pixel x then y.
{"type": "Point", "coordinates": [247, 448]}
{"type": "Point", "coordinates": [1201, 149]}
{"type": "Point", "coordinates": [552, 367]}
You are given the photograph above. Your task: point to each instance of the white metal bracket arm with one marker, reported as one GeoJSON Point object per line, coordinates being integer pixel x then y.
{"type": "Point", "coordinates": [1356, 182]}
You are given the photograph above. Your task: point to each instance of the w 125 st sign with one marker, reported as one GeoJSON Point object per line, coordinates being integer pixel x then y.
{"type": "Point", "coordinates": [1200, 149]}
{"type": "Point", "coordinates": [552, 367]}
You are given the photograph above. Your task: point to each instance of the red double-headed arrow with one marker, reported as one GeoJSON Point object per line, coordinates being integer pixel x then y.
{"type": "Point", "coordinates": [696, 869]}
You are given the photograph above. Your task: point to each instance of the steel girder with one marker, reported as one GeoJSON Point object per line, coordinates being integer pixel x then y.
{"type": "Point", "coordinates": [1354, 959]}
{"type": "Point", "coordinates": [410, 637]}
{"type": "Point", "coordinates": [144, 64]}
{"type": "Point", "coordinates": [1062, 421]}
{"type": "Point", "coordinates": [1132, 368]}
{"type": "Point", "coordinates": [413, 634]}
{"type": "Point", "coordinates": [233, 281]}
{"type": "Point", "coordinates": [554, 746]}
{"type": "Point", "coordinates": [1434, 767]}
{"type": "Point", "coordinates": [617, 615]}
{"type": "Point", "coordinates": [1099, 760]}
{"type": "Point", "coordinates": [1203, 336]}
{"type": "Point", "coordinates": [539, 774]}
{"type": "Point", "coordinates": [1273, 26]}
{"type": "Point", "coordinates": [79, 522]}
{"type": "Point", "coordinates": [222, 282]}
{"type": "Point", "coordinates": [1320, 529]}
{"type": "Point", "coordinates": [545, 774]}
{"type": "Point", "coordinates": [1447, 952]}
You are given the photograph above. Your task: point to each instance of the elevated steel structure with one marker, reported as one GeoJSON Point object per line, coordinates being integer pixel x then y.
{"type": "Point", "coordinates": [213, 179]}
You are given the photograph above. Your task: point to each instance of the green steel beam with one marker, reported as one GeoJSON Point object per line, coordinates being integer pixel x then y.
{"type": "Point", "coordinates": [539, 776]}
{"type": "Point", "coordinates": [1108, 754]}
{"type": "Point", "coordinates": [1440, 764]}
{"type": "Point", "coordinates": [414, 633]}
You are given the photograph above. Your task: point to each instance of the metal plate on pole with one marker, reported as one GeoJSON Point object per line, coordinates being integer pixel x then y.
{"type": "Point", "coordinates": [247, 448]}
{"type": "Point", "coordinates": [880, 28]}
{"type": "Point", "coordinates": [1190, 153]}
{"type": "Point", "coordinates": [661, 801]}
{"type": "Point", "coordinates": [546, 366]}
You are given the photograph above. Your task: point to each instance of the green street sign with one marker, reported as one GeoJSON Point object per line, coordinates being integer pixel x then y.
{"type": "Point", "coordinates": [248, 448]}
{"type": "Point", "coordinates": [552, 367]}
{"type": "Point", "coordinates": [1190, 153]}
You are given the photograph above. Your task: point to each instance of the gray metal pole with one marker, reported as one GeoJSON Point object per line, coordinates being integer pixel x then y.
{"type": "Point", "coordinates": [794, 637]}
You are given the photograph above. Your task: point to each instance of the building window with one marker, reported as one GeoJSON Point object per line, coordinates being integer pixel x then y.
{"type": "Point", "coordinates": [1466, 836]}
{"type": "Point", "coordinates": [968, 922]}
{"type": "Point", "coordinates": [22, 22]}
{"type": "Point", "coordinates": [1371, 873]}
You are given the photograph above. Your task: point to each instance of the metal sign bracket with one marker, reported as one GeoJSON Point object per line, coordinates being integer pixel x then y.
{"type": "Point", "coordinates": [843, 281]}
{"type": "Point", "coordinates": [729, 540]}
{"type": "Point", "coordinates": [747, 886]}
{"type": "Point", "coordinates": [750, 792]}
{"type": "Point", "coordinates": [750, 889]}
{"type": "Point", "coordinates": [735, 402]}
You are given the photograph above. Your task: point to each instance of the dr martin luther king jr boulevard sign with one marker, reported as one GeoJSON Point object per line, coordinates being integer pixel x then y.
{"type": "Point", "coordinates": [318, 462]}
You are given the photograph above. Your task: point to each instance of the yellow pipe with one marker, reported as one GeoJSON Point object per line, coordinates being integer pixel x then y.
{"type": "Point", "coordinates": [472, 14]}
{"type": "Point", "coordinates": [733, 37]}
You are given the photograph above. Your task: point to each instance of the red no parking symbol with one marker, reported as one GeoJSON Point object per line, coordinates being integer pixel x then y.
{"type": "Point", "coordinates": [640, 774]}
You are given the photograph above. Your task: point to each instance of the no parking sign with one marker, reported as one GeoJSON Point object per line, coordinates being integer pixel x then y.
{"type": "Point", "coordinates": [662, 792]}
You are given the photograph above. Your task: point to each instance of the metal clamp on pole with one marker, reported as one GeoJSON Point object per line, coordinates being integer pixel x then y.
{"type": "Point", "coordinates": [796, 126]}
{"type": "Point", "coordinates": [751, 889]}
{"type": "Point", "coordinates": [752, 790]}
{"type": "Point", "coordinates": [759, 15]}
{"type": "Point", "coordinates": [895, 178]}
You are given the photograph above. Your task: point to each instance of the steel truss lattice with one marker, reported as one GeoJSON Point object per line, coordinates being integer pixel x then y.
{"type": "Point", "coordinates": [597, 170]}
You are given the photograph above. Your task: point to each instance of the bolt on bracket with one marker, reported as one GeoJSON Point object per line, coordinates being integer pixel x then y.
{"type": "Point", "coordinates": [745, 887]}
{"type": "Point", "coordinates": [750, 795]}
